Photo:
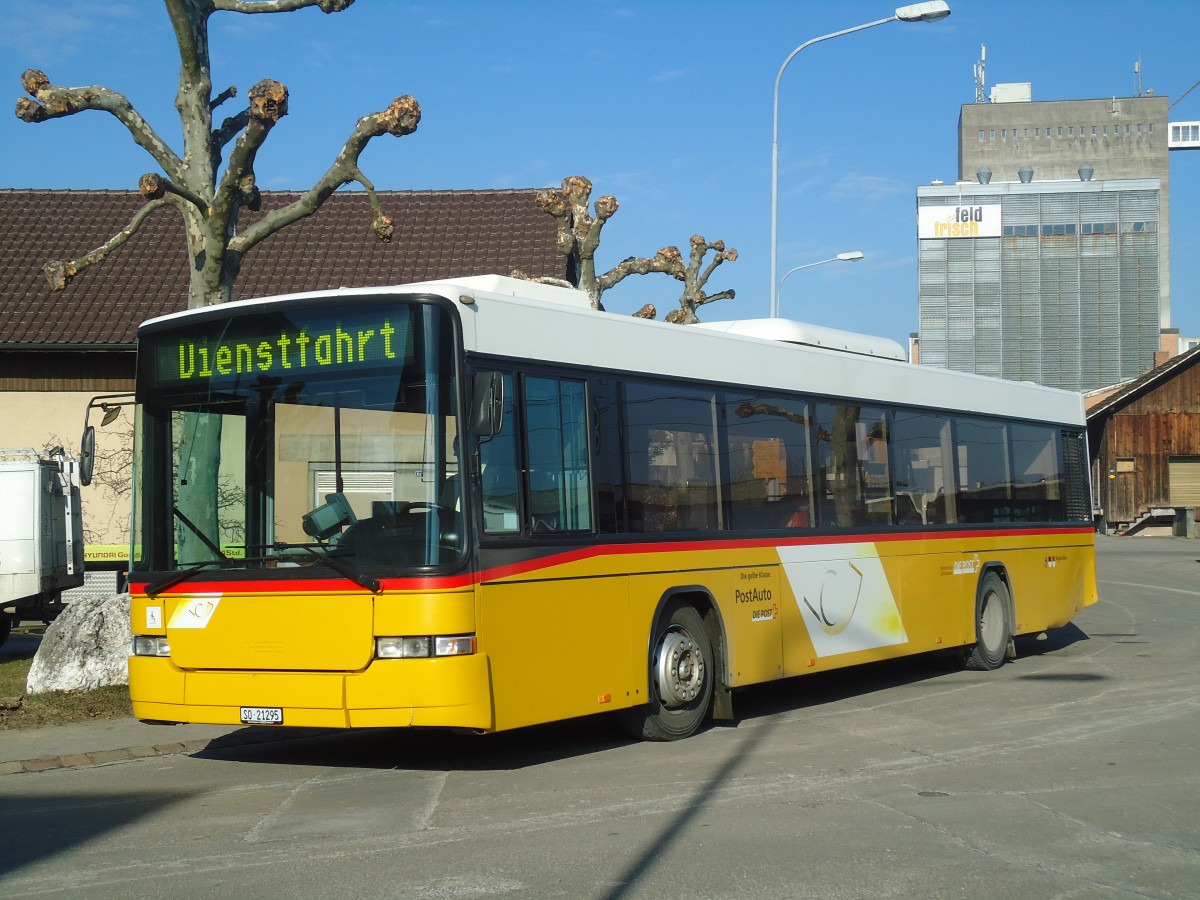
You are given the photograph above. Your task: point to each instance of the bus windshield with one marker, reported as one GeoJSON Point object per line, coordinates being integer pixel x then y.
{"type": "Point", "coordinates": [295, 438]}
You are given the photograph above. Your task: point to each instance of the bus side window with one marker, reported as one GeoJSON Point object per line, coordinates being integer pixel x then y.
{"type": "Point", "coordinates": [984, 478]}
{"type": "Point", "coordinates": [556, 436]}
{"type": "Point", "coordinates": [924, 482]}
{"type": "Point", "coordinates": [769, 462]}
{"type": "Point", "coordinates": [498, 473]}
{"type": "Point", "coordinates": [852, 454]}
{"type": "Point", "coordinates": [669, 458]}
{"type": "Point", "coordinates": [1037, 472]}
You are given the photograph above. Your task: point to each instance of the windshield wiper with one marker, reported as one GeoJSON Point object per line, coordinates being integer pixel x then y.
{"type": "Point", "coordinates": [194, 529]}
{"type": "Point", "coordinates": [171, 580]}
{"type": "Point", "coordinates": [374, 585]}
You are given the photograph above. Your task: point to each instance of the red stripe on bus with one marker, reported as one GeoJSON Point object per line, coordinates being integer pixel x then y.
{"type": "Point", "coordinates": [553, 560]}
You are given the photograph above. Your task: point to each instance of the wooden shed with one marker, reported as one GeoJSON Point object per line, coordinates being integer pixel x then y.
{"type": "Point", "coordinates": [1145, 446]}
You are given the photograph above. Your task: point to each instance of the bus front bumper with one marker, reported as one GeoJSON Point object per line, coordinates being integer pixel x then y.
{"type": "Point", "coordinates": [452, 692]}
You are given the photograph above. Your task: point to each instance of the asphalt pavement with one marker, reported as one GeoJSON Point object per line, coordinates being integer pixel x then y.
{"type": "Point", "coordinates": [105, 741]}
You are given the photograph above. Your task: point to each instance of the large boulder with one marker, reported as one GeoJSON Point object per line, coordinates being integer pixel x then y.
{"type": "Point", "coordinates": [86, 647]}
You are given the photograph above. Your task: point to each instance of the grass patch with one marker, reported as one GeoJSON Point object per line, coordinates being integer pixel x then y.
{"type": "Point", "coordinates": [20, 710]}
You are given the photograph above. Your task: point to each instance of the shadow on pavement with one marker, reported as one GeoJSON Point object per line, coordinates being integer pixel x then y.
{"type": "Point", "coordinates": [36, 827]}
{"type": "Point", "coordinates": [417, 750]}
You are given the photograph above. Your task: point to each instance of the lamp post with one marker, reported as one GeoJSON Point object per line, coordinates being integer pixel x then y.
{"type": "Point", "coordinates": [929, 11]}
{"type": "Point", "coordinates": [851, 256]}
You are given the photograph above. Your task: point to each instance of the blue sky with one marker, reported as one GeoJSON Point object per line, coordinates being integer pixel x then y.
{"type": "Point", "coordinates": [666, 105]}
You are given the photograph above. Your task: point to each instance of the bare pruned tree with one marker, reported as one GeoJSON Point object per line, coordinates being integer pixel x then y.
{"type": "Point", "coordinates": [579, 237]}
{"type": "Point", "coordinates": [193, 182]}
{"type": "Point", "coordinates": [694, 279]}
{"type": "Point", "coordinates": [208, 194]}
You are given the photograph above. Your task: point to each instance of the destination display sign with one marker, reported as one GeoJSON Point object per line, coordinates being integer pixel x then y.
{"type": "Point", "coordinates": [276, 346]}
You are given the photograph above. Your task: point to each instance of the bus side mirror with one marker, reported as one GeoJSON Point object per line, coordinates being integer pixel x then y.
{"type": "Point", "coordinates": [487, 404]}
{"type": "Point", "coordinates": [87, 455]}
{"type": "Point", "coordinates": [111, 405]}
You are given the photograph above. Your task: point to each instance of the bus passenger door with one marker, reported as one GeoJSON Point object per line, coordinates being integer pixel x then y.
{"type": "Point", "coordinates": [553, 617]}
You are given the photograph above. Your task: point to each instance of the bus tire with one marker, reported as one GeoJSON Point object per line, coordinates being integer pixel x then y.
{"type": "Point", "coordinates": [681, 680]}
{"type": "Point", "coordinates": [993, 625]}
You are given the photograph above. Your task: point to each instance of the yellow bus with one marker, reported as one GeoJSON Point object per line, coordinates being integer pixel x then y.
{"type": "Point", "coordinates": [482, 504]}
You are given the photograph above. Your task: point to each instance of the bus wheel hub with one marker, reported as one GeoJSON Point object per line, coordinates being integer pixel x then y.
{"type": "Point", "coordinates": [680, 670]}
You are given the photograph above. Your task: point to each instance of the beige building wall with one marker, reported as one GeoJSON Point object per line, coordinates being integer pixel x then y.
{"type": "Point", "coordinates": [45, 419]}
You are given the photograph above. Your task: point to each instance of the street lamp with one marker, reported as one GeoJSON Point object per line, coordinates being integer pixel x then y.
{"type": "Point", "coordinates": [851, 256]}
{"type": "Point", "coordinates": [930, 11]}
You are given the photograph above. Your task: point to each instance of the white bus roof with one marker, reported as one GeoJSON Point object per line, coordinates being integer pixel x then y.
{"type": "Point", "coordinates": [790, 332]}
{"type": "Point", "coordinates": [506, 317]}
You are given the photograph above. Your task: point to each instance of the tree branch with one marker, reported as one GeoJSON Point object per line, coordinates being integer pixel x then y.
{"type": "Point", "coordinates": [153, 186]}
{"type": "Point", "coordinates": [268, 104]}
{"type": "Point", "coordinates": [668, 260]}
{"type": "Point", "coordinates": [228, 94]}
{"type": "Point", "coordinates": [59, 272]}
{"type": "Point", "coordinates": [542, 279]}
{"type": "Point", "coordinates": [400, 118]}
{"type": "Point", "coordinates": [229, 129]}
{"type": "Point", "coordinates": [272, 6]}
{"type": "Point", "coordinates": [727, 294]}
{"type": "Point", "coordinates": [54, 102]}
{"type": "Point", "coordinates": [694, 280]}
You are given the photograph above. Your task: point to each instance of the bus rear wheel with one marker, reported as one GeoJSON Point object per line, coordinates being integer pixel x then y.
{"type": "Point", "coordinates": [681, 680]}
{"type": "Point", "coordinates": [993, 628]}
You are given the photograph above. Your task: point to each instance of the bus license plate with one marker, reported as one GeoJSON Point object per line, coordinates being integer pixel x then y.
{"type": "Point", "coordinates": [262, 715]}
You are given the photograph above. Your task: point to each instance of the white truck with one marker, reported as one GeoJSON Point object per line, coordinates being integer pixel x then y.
{"type": "Point", "coordinates": [41, 534]}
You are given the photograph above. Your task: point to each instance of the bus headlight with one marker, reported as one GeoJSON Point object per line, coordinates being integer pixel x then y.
{"type": "Point", "coordinates": [147, 645]}
{"type": "Point", "coordinates": [401, 647]}
{"type": "Point", "coordinates": [424, 646]}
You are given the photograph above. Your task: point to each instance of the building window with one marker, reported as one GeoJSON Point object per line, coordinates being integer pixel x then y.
{"type": "Point", "coordinates": [1071, 132]}
{"type": "Point", "coordinates": [1093, 131]}
{"type": "Point", "coordinates": [981, 134]}
{"type": "Point", "coordinates": [1106, 129]}
{"type": "Point", "coordinates": [1003, 133]}
{"type": "Point", "coordinates": [1139, 128]}
{"type": "Point", "coordinates": [1060, 131]}
{"type": "Point", "coordinates": [992, 134]}
{"type": "Point", "coordinates": [1037, 132]}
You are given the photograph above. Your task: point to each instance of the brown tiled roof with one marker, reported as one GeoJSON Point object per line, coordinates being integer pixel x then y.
{"type": "Point", "coordinates": [438, 234]}
{"type": "Point", "coordinates": [1131, 390]}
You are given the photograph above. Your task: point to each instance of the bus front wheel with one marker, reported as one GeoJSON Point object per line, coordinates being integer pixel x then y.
{"type": "Point", "coordinates": [993, 628]}
{"type": "Point", "coordinates": [681, 680]}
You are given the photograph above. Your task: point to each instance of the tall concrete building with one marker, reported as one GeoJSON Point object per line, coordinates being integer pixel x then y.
{"type": "Point", "coordinates": [1048, 259]}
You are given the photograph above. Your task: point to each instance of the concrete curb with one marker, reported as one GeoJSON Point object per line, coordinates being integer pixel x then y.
{"type": "Point", "coordinates": [107, 757]}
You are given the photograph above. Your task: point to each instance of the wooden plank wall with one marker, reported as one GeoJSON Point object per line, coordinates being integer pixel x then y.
{"type": "Point", "coordinates": [95, 371]}
{"type": "Point", "coordinates": [1165, 422]}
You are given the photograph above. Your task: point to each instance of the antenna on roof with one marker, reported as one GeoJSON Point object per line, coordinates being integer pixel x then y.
{"type": "Point", "coordinates": [979, 76]}
{"type": "Point", "coordinates": [1137, 77]}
